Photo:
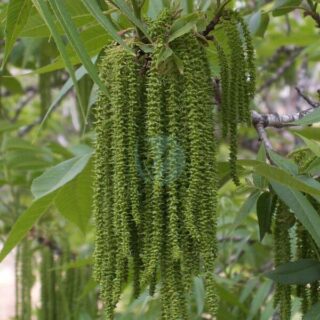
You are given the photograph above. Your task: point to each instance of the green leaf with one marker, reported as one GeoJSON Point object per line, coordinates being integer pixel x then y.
{"type": "Point", "coordinates": [10, 82]}
{"type": "Point", "coordinates": [34, 157]}
{"type": "Point", "coordinates": [313, 145]}
{"type": "Point", "coordinates": [313, 313]}
{"type": "Point", "coordinates": [164, 54]}
{"type": "Point", "coordinates": [43, 9]}
{"type": "Point", "coordinates": [275, 174]}
{"type": "Point", "coordinates": [104, 21]}
{"type": "Point", "coordinates": [58, 176]}
{"type": "Point", "coordinates": [314, 167]}
{"type": "Point", "coordinates": [259, 181]}
{"type": "Point", "coordinates": [74, 200]}
{"type": "Point", "coordinates": [79, 74]}
{"type": "Point", "coordinates": [282, 7]}
{"type": "Point", "coordinates": [298, 272]}
{"type": "Point", "coordinates": [259, 298]}
{"type": "Point", "coordinates": [302, 209]}
{"type": "Point", "coordinates": [188, 6]}
{"type": "Point", "coordinates": [258, 23]}
{"type": "Point", "coordinates": [183, 25]}
{"type": "Point", "coordinates": [286, 164]}
{"type": "Point", "coordinates": [128, 12]}
{"type": "Point", "coordinates": [204, 5]}
{"type": "Point", "coordinates": [72, 33]}
{"type": "Point", "coordinates": [25, 223]}
{"type": "Point", "coordinates": [246, 208]}
{"type": "Point", "coordinates": [47, 190]}
{"type": "Point", "coordinates": [6, 126]}
{"type": "Point", "coordinates": [309, 118]}
{"type": "Point", "coordinates": [36, 27]}
{"type": "Point", "coordinates": [265, 206]}
{"type": "Point", "coordinates": [17, 15]}
{"type": "Point", "coordinates": [307, 132]}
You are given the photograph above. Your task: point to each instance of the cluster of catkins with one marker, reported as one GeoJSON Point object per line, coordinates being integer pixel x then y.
{"type": "Point", "coordinates": [155, 166]}
{"type": "Point", "coordinates": [237, 73]}
{"type": "Point", "coordinates": [60, 289]}
{"type": "Point", "coordinates": [292, 240]}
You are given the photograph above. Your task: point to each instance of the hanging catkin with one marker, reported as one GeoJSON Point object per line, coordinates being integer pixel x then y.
{"type": "Point", "coordinates": [305, 246]}
{"type": "Point", "coordinates": [282, 252]}
{"type": "Point", "coordinates": [48, 290]}
{"type": "Point", "coordinates": [155, 173]}
{"type": "Point", "coordinates": [237, 73]}
{"type": "Point", "coordinates": [24, 281]}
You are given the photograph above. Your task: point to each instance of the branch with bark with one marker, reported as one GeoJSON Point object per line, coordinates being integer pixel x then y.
{"type": "Point", "coordinates": [275, 120]}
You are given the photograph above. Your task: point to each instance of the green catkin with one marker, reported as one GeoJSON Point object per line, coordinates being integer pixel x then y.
{"type": "Point", "coordinates": [154, 131]}
{"type": "Point", "coordinates": [234, 95]}
{"type": "Point", "coordinates": [17, 283]}
{"type": "Point", "coordinates": [173, 98]}
{"type": "Point", "coordinates": [309, 293]}
{"type": "Point", "coordinates": [155, 144]}
{"type": "Point", "coordinates": [120, 115]}
{"type": "Point", "coordinates": [282, 251]}
{"type": "Point", "coordinates": [24, 281]}
{"type": "Point", "coordinates": [224, 75]}
{"type": "Point", "coordinates": [303, 253]}
{"type": "Point", "coordinates": [48, 281]}
{"type": "Point", "coordinates": [250, 68]}
{"type": "Point", "coordinates": [155, 180]}
{"type": "Point", "coordinates": [237, 73]}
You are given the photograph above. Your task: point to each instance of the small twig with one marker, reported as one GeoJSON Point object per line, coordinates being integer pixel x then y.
{"type": "Point", "coordinates": [24, 130]}
{"type": "Point", "coordinates": [212, 24]}
{"type": "Point", "coordinates": [314, 15]}
{"type": "Point", "coordinates": [276, 120]}
{"type": "Point", "coordinates": [281, 70]}
{"type": "Point", "coordinates": [263, 137]}
{"type": "Point", "coordinates": [210, 27]}
{"type": "Point", "coordinates": [307, 99]}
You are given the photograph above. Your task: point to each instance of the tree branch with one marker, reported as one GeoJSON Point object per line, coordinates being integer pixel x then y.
{"type": "Point", "coordinates": [307, 99]}
{"type": "Point", "coordinates": [275, 120]}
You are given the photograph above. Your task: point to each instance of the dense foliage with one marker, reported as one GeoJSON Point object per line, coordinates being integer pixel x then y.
{"type": "Point", "coordinates": [138, 112]}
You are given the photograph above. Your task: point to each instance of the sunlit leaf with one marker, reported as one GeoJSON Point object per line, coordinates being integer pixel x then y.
{"type": "Point", "coordinates": [25, 223]}
{"type": "Point", "coordinates": [58, 176]}
{"type": "Point", "coordinates": [44, 10]}
{"type": "Point", "coordinates": [310, 118]}
{"type": "Point", "coordinates": [72, 33]}
{"type": "Point", "coordinates": [74, 201]}
{"type": "Point", "coordinates": [104, 21]}
{"type": "Point", "coordinates": [128, 12]}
